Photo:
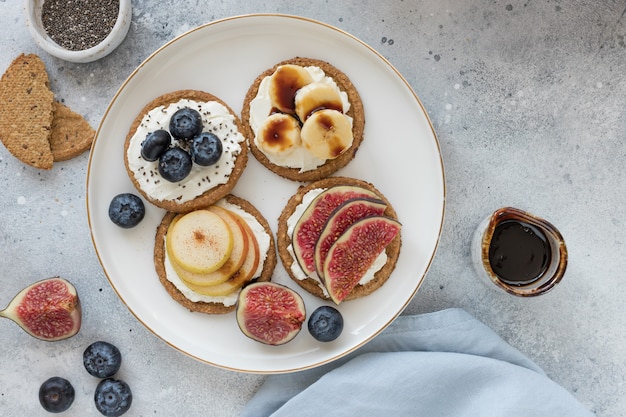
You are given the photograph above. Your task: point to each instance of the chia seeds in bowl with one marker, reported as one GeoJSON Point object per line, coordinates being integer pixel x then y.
{"type": "Point", "coordinates": [78, 30]}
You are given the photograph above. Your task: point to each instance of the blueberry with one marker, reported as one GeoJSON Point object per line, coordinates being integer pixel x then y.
{"type": "Point", "coordinates": [175, 164]}
{"type": "Point", "coordinates": [155, 144]}
{"type": "Point", "coordinates": [113, 397]}
{"type": "Point", "coordinates": [126, 210]}
{"type": "Point", "coordinates": [56, 394]}
{"type": "Point", "coordinates": [102, 359]}
{"type": "Point", "coordinates": [186, 123]}
{"type": "Point", "coordinates": [325, 323]}
{"type": "Point", "coordinates": [206, 149]}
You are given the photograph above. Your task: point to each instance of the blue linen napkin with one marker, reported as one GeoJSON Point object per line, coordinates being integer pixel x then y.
{"type": "Point", "coordinates": [445, 363]}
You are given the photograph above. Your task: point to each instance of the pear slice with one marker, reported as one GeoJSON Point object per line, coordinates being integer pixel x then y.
{"type": "Point", "coordinates": [200, 242]}
{"type": "Point", "coordinates": [234, 262]}
{"type": "Point", "coordinates": [240, 246]}
{"type": "Point", "coordinates": [244, 275]}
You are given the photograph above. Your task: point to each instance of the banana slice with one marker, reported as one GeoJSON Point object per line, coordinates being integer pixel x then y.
{"type": "Point", "coordinates": [327, 133]}
{"type": "Point", "coordinates": [284, 83]}
{"type": "Point", "coordinates": [279, 134]}
{"type": "Point", "coordinates": [316, 96]}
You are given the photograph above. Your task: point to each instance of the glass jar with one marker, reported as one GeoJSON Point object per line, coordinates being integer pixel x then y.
{"type": "Point", "coordinates": [519, 253]}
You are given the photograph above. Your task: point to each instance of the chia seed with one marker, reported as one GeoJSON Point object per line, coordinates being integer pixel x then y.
{"type": "Point", "coordinates": [77, 25]}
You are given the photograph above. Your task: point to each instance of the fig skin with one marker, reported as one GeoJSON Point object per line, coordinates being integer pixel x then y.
{"type": "Point", "coordinates": [48, 310]}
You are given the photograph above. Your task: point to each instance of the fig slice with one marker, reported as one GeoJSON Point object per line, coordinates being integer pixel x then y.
{"type": "Point", "coordinates": [340, 219]}
{"type": "Point", "coordinates": [270, 313]}
{"type": "Point", "coordinates": [48, 309]}
{"type": "Point", "coordinates": [355, 251]}
{"type": "Point", "coordinates": [308, 228]}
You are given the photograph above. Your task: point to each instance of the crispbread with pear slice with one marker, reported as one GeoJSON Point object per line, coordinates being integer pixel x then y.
{"type": "Point", "coordinates": [210, 307]}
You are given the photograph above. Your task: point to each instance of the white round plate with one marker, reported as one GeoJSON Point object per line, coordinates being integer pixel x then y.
{"type": "Point", "coordinates": [400, 155]}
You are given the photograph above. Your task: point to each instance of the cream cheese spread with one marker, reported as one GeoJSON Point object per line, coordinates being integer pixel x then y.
{"type": "Point", "coordinates": [263, 240]}
{"type": "Point", "coordinates": [261, 107]}
{"type": "Point", "coordinates": [216, 118]}
{"type": "Point", "coordinates": [298, 273]}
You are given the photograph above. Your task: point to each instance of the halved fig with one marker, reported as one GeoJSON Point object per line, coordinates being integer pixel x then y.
{"type": "Point", "coordinates": [48, 309]}
{"type": "Point", "coordinates": [308, 228]}
{"type": "Point", "coordinates": [354, 252]}
{"type": "Point", "coordinates": [270, 313]}
{"type": "Point", "coordinates": [340, 219]}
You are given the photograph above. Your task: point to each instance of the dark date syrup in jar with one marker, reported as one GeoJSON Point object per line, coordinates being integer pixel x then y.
{"type": "Point", "coordinates": [519, 253]}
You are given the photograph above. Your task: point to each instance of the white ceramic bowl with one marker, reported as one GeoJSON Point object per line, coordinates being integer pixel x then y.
{"type": "Point", "coordinates": [32, 11]}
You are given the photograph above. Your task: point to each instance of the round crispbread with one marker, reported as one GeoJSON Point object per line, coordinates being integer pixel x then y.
{"type": "Point", "coordinates": [210, 196]}
{"type": "Point", "coordinates": [204, 307]}
{"type": "Point", "coordinates": [284, 240]}
{"type": "Point", "coordinates": [356, 112]}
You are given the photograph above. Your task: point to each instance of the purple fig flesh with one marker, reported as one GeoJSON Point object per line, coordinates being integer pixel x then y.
{"type": "Point", "coordinates": [48, 309]}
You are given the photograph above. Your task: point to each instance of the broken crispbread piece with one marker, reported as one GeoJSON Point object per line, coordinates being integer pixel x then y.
{"type": "Point", "coordinates": [26, 111]}
{"type": "Point", "coordinates": [71, 134]}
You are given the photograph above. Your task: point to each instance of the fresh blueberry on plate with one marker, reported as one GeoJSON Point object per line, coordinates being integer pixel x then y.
{"type": "Point", "coordinates": [325, 323]}
{"type": "Point", "coordinates": [126, 210]}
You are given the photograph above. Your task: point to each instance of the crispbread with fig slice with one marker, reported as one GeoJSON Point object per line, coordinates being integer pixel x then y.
{"type": "Point", "coordinates": [210, 307]}
{"type": "Point", "coordinates": [284, 240]}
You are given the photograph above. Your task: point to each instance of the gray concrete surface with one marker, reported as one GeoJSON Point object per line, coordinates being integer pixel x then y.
{"type": "Point", "coordinates": [527, 99]}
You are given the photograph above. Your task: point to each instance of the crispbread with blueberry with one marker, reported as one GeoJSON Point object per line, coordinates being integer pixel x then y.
{"type": "Point", "coordinates": [166, 172]}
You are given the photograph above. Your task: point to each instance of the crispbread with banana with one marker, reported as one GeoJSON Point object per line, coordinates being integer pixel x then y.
{"type": "Point", "coordinates": [304, 118]}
